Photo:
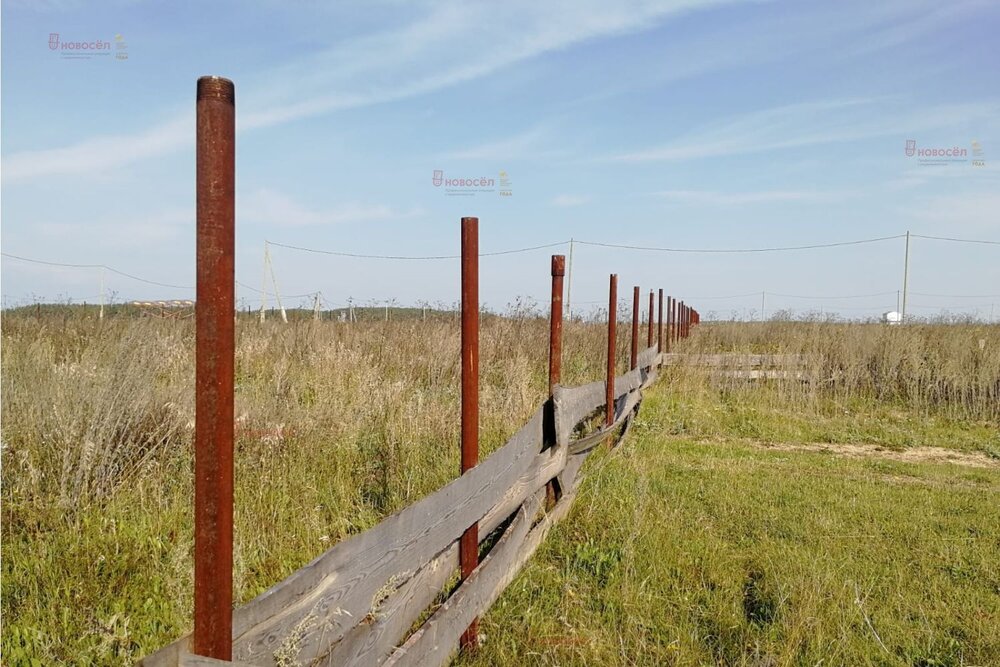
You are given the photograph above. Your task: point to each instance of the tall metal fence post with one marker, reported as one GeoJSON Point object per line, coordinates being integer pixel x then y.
{"type": "Point", "coordinates": [669, 333]}
{"type": "Point", "coordinates": [649, 322]}
{"type": "Point", "coordinates": [215, 159]}
{"type": "Point", "coordinates": [468, 552]}
{"type": "Point", "coordinates": [612, 333]}
{"type": "Point", "coordinates": [555, 348]}
{"type": "Point", "coordinates": [673, 321]}
{"type": "Point", "coordinates": [659, 324]}
{"type": "Point", "coordinates": [635, 328]}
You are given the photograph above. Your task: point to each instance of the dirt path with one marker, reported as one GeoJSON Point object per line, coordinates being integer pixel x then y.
{"type": "Point", "coordinates": [911, 455]}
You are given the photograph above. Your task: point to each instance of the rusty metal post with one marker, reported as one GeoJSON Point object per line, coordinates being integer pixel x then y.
{"type": "Point", "coordinates": [612, 331]}
{"type": "Point", "coordinates": [214, 362]}
{"type": "Point", "coordinates": [468, 550]}
{"type": "Point", "coordinates": [555, 320]}
{"type": "Point", "coordinates": [635, 328]}
{"type": "Point", "coordinates": [673, 322]}
{"type": "Point", "coordinates": [659, 325]}
{"type": "Point", "coordinates": [670, 324]}
{"type": "Point", "coordinates": [555, 349]}
{"type": "Point", "coordinates": [649, 322]}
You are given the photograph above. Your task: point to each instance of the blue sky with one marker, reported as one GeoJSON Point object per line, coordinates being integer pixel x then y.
{"type": "Point", "coordinates": [682, 124]}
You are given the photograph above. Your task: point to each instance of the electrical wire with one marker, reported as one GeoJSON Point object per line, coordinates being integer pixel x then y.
{"type": "Point", "coordinates": [741, 250]}
{"type": "Point", "coordinates": [413, 257]}
{"type": "Point", "coordinates": [954, 240]}
{"type": "Point", "coordinates": [96, 266]}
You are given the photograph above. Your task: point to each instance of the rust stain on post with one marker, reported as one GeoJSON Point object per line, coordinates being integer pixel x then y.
{"type": "Point", "coordinates": [469, 545]}
{"type": "Point", "coordinates": [612, 330]}
{"type": "Point", "coordinates": [635, 328]}
{"type": "Point", "coordinates": [214, 359]}
{"type": "Point", "coordinates": [649, 322]}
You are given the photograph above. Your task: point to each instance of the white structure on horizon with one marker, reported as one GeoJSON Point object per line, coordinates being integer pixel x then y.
{"type": "Point", "coordinates": [892, 317]}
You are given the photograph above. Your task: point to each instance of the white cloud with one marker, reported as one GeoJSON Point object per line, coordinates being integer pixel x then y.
{"type": "Point", "coordinates": [449, 44]}
{"type": "Point", "coordinates": [811, 124]}
{"type": "Point", "coordinates": [268, 207]}
{"type": "Point", "coordinates": [520, 146]}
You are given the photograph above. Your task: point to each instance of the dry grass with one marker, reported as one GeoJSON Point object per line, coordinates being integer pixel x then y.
{"type": "Point", "coordinates": [338, 425]}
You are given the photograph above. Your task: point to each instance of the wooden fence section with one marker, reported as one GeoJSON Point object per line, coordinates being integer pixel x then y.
{"type": "Point", "coordinates": [358, 603]}
{"type": "Point", "coordinates": [354, 604]}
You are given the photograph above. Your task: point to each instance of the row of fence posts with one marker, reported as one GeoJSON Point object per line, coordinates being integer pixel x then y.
{"type": "Point", "coordinates": [215, 358]}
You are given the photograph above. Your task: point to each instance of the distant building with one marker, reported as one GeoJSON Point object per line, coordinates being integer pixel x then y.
{"type": "Point", "coordinates": [892, 317]}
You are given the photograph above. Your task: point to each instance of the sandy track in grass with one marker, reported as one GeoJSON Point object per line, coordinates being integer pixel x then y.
{"type": "Point", "coordinates": [910, 455]}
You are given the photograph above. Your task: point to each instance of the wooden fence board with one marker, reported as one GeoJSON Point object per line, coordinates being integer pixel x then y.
{"type": "Point", "coordinates": [352, 604]}
{"type": "Point", "coordinates": [336, 590]}
{"type": "Point", "coordinates": [437, 638]}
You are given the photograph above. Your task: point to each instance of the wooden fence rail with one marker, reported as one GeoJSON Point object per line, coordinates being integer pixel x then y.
{"type": "Point", "coordinates": [356, 603]}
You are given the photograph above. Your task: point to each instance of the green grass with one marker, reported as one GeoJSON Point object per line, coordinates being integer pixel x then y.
{"type": "Point", "coordinates": [689, 552]}
{"type": "Point", "coordinates": [340, 425]}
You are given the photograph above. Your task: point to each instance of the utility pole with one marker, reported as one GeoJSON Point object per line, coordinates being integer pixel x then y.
{"type": "Point", "coordinates": [263, 286]}
{"type": "Point", "coordinates": [569, 280]}
{"type": "Point", "coordinates": [906, 276]}
{"type": "Point", "coordinates": [274, 282]}
{"type": "Point", "coordinates": [100, 314]}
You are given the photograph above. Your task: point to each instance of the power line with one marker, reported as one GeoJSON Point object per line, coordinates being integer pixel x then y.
{"type": "Point", "coordinates": [816, 296]}
{"type": "Point", "coordinates": [414, 257]}
{"type": "Point", "coordinates": [954, 240]}
{"type": "Point", "coordinates": [289, 296]}
{"type": "Point", "coordinates": [959, 296]}
{"type": "Point", "coordinates": [96, 266]}
{"type": "Point", "coordinates": [742, 250]}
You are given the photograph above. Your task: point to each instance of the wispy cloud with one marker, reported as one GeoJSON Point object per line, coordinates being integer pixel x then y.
{"type": "Point", "coordinates": [811, 124]}
{"type": "Point", "coordinates": [98, 154]}
{"type": "Point", "coordinates": [446, 45]}
{"type": "Point", "coordinates": [268, 207]}
{"type": "Point", "coordinates": [521, 146]}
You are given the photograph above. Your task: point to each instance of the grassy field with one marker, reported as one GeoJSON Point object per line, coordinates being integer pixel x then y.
{"type": "Point", "coordinates": [712, 536]}
{"type": "Point", "coordinates": [713, 546]}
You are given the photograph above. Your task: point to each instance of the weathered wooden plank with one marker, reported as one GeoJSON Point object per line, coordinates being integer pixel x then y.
{"type": "Point", "coordinates": [737, 359]}
{"type": "Point", "coordinates": [571, 405]}
{"type": "Point", "coordinates": [624, 406]}
{"type": "Point", "coordinates": [574, 404]}
{"type": "Point", "coordinates": [647, 357]}
{"type": "Point", "coordinates": [375, 637]}
{"type": "Point", "coordinates": [191, 660]}
{"type": "Point", "coordinates": [765, 374]}
{"type": "Point", "coordinates": [372, 640]}
{"type": "Point", "coordinates": [169, 655]}
{"type": "Point", "coordinates": [336, 590]}
{"type": "Point", "coordinates": [438, 637]}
